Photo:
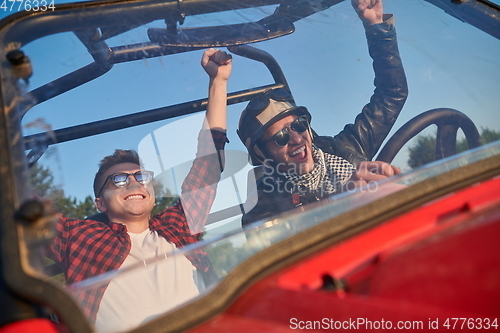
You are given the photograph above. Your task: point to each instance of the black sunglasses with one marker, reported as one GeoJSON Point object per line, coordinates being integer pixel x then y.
{"type": "Point", "coordinates": [282, 137]}
{"type": "Point", "coordinates": [122, 179]}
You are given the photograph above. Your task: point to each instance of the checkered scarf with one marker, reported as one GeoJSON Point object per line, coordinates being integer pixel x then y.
{"type": "Point", "coordinates": [330, 172]}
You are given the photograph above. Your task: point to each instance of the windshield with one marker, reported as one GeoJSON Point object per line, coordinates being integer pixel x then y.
{"type": "Point", "coordinates": [94, 80]}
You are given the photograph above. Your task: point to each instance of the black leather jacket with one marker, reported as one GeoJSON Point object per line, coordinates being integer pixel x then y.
{"type": "Point", "coordinates": [356, 142]}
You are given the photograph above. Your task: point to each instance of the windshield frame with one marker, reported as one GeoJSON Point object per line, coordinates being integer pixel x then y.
{"type": "Point", "coordinates": [13, 170]}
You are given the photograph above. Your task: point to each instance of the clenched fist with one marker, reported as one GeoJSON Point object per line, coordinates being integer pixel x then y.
{"type": "Point", "coordinates": [369, 11]}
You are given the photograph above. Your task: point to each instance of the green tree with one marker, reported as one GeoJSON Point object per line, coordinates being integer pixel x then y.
{"type": "Point", "coordinates": [73, 208]}
{"type": "Point", "coordinates": [488, 135]}
{"type": "Point", "coordinates": [41, 180]}
{"type": "Point", "coordinates": [42, 184]}
{"type": "Point", "coordinates": [86, 207]}
{"type": "Point", "coordinates": [422, 152]}
{"type": "Point", "coordinates": [225, 256]}
{"type": "Point", "coordinates": [164, 198]}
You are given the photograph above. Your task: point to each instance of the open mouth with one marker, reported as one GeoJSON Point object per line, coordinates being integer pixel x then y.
{"type": "Point", "coordinates": [135, 197]}
{"type": "Point", "coordinates": [299, 153]}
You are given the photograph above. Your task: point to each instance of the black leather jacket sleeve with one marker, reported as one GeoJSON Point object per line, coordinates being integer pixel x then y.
{"type": "Point", "coordinates": [361, 140]}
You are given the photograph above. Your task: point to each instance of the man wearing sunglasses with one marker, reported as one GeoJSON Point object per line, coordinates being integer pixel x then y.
{"type": "Point", "coordinates": [130, 235]}
{"type": "Point", "coordinates": [300, 167]}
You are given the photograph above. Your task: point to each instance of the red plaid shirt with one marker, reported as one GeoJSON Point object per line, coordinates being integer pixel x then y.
{"type": "Point", "coordinates": [87, 248]}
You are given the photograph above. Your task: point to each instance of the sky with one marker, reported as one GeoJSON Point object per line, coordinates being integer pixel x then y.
{"type": "Point", "coordinates": [448, 64]}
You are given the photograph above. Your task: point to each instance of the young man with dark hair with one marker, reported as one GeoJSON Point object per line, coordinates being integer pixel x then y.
{"type": "Point", "coordinates": [300, 168]}
{"type": "Point", "coordinates": [118, 157]}
{"type": "Point", "coordinates": [124, 193]}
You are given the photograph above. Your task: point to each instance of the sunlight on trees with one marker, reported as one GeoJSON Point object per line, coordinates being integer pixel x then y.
{"type": "Point", "coordinates": [422, 152]}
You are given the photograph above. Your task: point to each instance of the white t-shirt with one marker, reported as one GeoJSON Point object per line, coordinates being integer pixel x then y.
{"type": "Point", "coordinates": [137, 296]}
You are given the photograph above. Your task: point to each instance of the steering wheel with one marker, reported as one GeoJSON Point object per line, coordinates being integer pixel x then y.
{"type": "Point", "coordinates": [448, 121]}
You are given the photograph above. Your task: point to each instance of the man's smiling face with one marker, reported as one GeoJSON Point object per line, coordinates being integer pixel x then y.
{"type": "Point", "coordinates": [296, 155]}
{"type": "Point", "coordinates": [131, 202]}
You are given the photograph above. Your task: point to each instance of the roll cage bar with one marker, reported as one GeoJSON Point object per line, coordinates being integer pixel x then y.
{"type": "Point", "coordinates": [162, 42]}
{"type": "Point", "coordinates": [94, 27]}
{"type": "Point", "coordinates": [39, 143]}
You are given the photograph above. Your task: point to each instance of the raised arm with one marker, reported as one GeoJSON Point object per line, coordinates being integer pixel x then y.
{"type": "Point", "coordinates": [218, 65]}
{"type": "Point", "coordinates": [361, 140]}
{"type": "Point", "coordinates": [199, 186]}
